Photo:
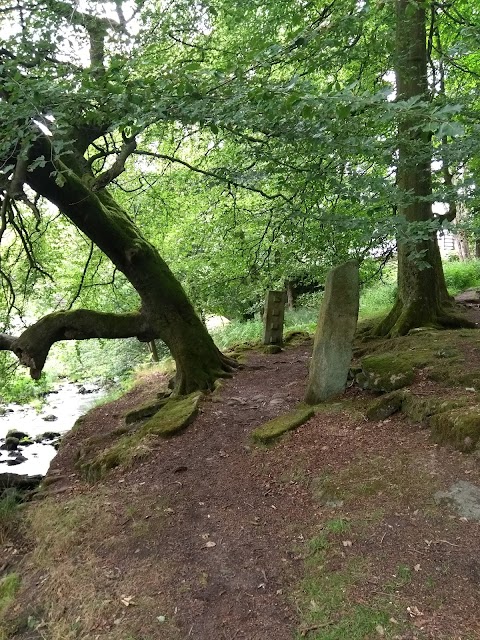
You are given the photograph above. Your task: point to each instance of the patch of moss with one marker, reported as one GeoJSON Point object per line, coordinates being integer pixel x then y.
{"type": "Point", "coordinates": [440, 353]}
{"type": "Point", "coordinates": [295, 338]}
{"type": "Point", "coordinates": [459, 427]}
{"type": "Point", "coordinates": [278, 426]}
{"type": "Point", "coordinates": [272, 349]}
{"type": "Point", "coordinates": [174, 415]}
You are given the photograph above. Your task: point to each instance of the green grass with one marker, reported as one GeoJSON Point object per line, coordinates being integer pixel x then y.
{"type": "Point", "coordinates": [462, 275]}
{"type": "Point", "coordinates": [9, 585]}
{"type": "Point", "coordinates": [322, 598]}
{"type": "Point", "coordinates": [9, 512]}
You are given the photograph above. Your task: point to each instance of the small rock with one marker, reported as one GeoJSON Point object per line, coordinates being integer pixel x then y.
{"type": "Point", "coordinates": [50, 418]}
{"type": "Point", "coordinates": [465, 498]}
{"type": "Point", "coordinates": [15, 461]}
{"type": "Point", "coordinates": [11, 443]}
{"type": "Point", "coordinates": [48, 435]}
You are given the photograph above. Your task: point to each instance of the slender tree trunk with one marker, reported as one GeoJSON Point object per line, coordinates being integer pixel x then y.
{"type": "Point", "coordinates": [165, 312]}
{"type": "Point", "coordinates": [461, 239]}
{"type": "Point", "coordinates": [290, 295]}
{"type": "Point", "coordinates": [422, 294]}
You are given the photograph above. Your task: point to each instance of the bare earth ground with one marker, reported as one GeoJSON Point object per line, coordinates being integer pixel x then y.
{"type": "Point", "coordinates": [331, 533]}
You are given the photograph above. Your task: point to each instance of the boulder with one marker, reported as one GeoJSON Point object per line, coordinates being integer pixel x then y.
{"type": "Point", "coordinates": [47, 436]}
{"type": "Point", "coordinates": [50, 418]}
{"type": "Point", "coordinates": [13, 433]}
{"type": "Point", "coordinates": [16, 481]}
{"type": "Point", "coordinates": [333, 345]}
{"type": "Point", "coordinates": [385, 372]}
{"type": "Point", "coordinates": [11, 444]}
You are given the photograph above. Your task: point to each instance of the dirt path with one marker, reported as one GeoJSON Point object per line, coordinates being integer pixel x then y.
{"type": "Point", "coordinates": [332, 533]}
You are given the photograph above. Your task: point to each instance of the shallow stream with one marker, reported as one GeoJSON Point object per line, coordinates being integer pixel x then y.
{"type": "Point", "coordinates": [63, 405]}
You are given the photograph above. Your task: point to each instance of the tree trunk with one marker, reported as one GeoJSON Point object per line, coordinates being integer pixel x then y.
{"type": "Point", "coordinates": [165, 312]}
{"type": "Point", "coordinates": [290, 295]}
{"type": "Point", "coordinates": [422, 297]}
{"type": "Point", "coordinates": [460, 238]}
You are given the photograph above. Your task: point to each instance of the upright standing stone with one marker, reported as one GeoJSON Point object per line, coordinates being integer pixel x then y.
{"type": "Point", "coordinates": [273, 317]}
{"type": "Point", "coordinates": [337, 322]}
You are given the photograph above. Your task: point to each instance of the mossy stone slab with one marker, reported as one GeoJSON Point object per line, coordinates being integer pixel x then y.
{"type": "Point", "coordinates": [278, 426]}
{"type": "Point", "coordinates": [144, 411]}
{"type": "Point", "coordinates": [174, 416]}
{"type": "Point", "coordinates": [386, 405]}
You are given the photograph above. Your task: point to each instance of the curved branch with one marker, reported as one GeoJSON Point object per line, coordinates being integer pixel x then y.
{"type": "Point", "coordinates": [212, 174]}
{"type": "Point", "coordinates": [118, 167]}
{"type": "Point", "coordinates": [33, 345]}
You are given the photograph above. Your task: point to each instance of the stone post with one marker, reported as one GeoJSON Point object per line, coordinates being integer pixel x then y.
{"type": "Point", "coordinates": [337, 323]}
{"type": "Point", "coordinates": [273, 317]}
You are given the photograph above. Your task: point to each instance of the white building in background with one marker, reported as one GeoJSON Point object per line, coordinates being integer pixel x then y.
{"type": "Point", "coordinates": [446, 243]}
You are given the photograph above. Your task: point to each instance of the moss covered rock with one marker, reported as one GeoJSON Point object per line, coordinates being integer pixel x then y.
{"type": "Point", "coordinates": [174, 416]}
{"type": "Point", "coordinates": [278, 426]}
{"type": "Point", "coordinates": [386, 405]}
{"type": "Point", "coordinates": [386, 372]}
{"type": "Point", "coordinates": [421, 408]}
{"type": "Point", "coordinates": [459, 427]}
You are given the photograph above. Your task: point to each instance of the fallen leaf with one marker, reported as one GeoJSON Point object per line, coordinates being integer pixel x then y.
{"type": "Point", "coordinates": [414, 612]}
{"type": "Point", "coordinates": [127, 600]}
{"type": "Point", "coordinates": [380, 630]}
{"type": "Point", "coordinates": [210, 544]}
{"type": "Point", "coordinates": [347, 543]}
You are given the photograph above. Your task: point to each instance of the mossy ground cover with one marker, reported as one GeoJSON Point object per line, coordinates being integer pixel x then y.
{"type": "Point", "coordinates": [324, 595]}
{"type": "Point", "coordinates": [131, 443]}
{"type": "Point", "coordinates": [448, 357]}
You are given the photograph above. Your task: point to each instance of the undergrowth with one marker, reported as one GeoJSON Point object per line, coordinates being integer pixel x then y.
{"type": "Point", "coordinates": [9, 514]}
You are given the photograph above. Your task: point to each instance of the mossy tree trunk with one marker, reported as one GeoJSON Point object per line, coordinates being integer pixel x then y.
{"type": "Point", "coordinates": [422, 297]}
{"type": "Point", "coordinates": [165, 312]}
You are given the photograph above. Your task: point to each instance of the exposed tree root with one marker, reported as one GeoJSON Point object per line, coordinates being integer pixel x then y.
{"type": "Point", "coordinates": [403, 319]}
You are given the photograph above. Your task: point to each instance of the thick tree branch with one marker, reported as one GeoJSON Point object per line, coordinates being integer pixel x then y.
{"type": "Point", "coordinates": [118, 167]}
{"type": "Point", "coordinates": [33, 345]}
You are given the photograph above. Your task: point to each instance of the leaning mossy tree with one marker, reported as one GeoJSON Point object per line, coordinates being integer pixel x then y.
{"type": "Point", "coordinates": [422, 297]}
{"type": "Point", "coordinates": [62, 120]}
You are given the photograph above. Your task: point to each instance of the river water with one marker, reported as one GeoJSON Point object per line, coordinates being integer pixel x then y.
{"type": "Point", "coordinates": [63, 405]}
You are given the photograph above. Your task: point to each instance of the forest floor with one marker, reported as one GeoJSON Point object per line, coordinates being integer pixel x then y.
{"type": "Point", "coordinates": [333, 532]}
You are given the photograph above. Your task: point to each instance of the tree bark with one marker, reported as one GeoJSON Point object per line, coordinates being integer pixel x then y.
{"type": "Point", "coordinates": [422, 297]}
{"type": "Point", "coordinates": [165, 313]}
